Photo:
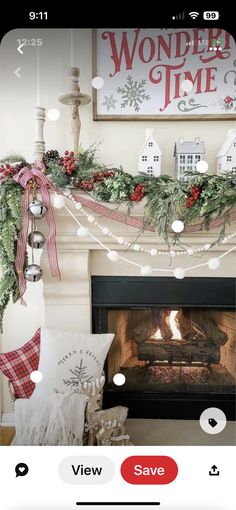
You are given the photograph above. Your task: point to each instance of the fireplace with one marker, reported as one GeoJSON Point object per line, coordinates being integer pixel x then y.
{"type": "Point", "coordinates": [174, 343]}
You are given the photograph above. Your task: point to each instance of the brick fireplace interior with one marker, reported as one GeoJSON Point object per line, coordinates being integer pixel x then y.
{"type": "Point", "coordinates": [174, 342]}
{"type": "Point", "coordinates": [160, 349]}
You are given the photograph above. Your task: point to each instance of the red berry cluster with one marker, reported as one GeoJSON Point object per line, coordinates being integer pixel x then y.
{"type": "Point", "coordinates": [68, 161]}
{"type": "Point", "coordinates": [87, 185]}
{"type": "Point", "coordinates": [98, 177]}
{"type": "Point", "coordinates": [6, 171]}
{"type": "Point", "coordinates": [195, 192]}
{"type": "Point", "coordinates": [138, 193]}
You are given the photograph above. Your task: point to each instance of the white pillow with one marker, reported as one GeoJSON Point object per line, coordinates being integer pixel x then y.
{"type": "Point", "coordinates": [67, 358]}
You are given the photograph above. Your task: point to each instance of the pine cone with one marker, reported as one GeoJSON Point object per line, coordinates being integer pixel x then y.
{"type": "Point", "coordinates": [50, 157]}
{"type": "Point", "coordinates": [21, 165]}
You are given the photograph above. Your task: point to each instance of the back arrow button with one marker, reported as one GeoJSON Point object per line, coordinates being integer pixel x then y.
{"type": "Point", "coordinates": [19, 49]}
{"type": "Point", "coordinates": [17, 72]}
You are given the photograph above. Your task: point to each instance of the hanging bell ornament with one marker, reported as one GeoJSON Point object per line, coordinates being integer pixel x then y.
{"type": "Point", "coordinates": [33, 273]}
{"type": "Point", "coordinates": [37, 209]}
{"type": "Point", "coordinates": [36, 239]}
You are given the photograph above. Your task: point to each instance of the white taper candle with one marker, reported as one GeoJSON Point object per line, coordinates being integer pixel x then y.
{"type": "Point", "coordinates": [72, 47]}
{"type": "Point", "coordinates": [38, 74]}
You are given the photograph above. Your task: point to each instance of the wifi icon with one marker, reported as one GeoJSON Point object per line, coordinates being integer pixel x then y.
{"type": "Point", "coordinates": [194, 14]}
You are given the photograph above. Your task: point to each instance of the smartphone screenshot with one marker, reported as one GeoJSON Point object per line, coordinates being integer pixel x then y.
{"type": "Point", "coordinates": [117, 261]}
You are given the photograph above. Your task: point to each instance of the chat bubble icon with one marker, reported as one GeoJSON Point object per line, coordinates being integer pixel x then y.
{"type": "Point", "coordinates": [21, 469]}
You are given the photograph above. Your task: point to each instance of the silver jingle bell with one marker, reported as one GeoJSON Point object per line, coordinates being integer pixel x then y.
{"type": "Point", "coordinates": [36, 239]}
{"type": "Point", "coordinates": [37, 209]}
{"type": "Point", "coordinates": [33, 273]}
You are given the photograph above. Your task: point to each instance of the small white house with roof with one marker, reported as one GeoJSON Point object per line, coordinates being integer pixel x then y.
{"type": "Point", "coordinates": [226, 157]}
{"type": "Point", "coordinates": [187, 155]}
{"type": "Point", "coordinates": [149, 157]}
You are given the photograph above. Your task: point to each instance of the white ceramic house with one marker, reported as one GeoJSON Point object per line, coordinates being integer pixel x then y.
{"type": "Point", "coordinates": [149, 158]}
{"type": "Point", "coordinates": [187, 155]}
{"type": "Point", "coordinates": [226, 157]}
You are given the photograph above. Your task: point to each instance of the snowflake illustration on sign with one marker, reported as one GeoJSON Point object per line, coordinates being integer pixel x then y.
{"type": "Point", "coordinates": [79, 376]}
{"type": "Point", "coordinates": [133, 93]}
{"type": "Point", "coordinates": [110, 102]}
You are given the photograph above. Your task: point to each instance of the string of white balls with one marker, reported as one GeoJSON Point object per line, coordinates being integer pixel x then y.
{"type": "Point", "coordinates": [179, 272]}
{"type": "Point", "coordinates": [152, 251]}
{"type": "Point", "coordinates": [59, 202]}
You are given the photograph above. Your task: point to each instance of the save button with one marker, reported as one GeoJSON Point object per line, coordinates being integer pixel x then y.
{"type": "Point", "coordinates": [149, 469]}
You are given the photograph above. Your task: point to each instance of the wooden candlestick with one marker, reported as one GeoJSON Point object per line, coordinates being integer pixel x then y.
{"type": "Point", "coordinates": [39, 144]}
{"type": "Point", "coordinates": [74, 98]}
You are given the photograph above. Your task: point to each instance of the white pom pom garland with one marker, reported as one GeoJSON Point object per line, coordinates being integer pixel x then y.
{"type": "Point", "coordinates": [58, 201]}
{"type": "Point", "coordinates": [78, 206]}
{"type": "Point", "coordinates": [113, 255]}
{"type": "Point", "coordinates": [90, 218]}
{"type": "Point", "coordinates": [179, 273]}
{"type": "Point", "coordinates": [213, 263]}
{"type": "Point", "coordinates": [82, 232]}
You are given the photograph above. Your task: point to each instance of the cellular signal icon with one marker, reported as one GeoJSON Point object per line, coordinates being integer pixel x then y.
{"type": "Point", "coordinates": [179, 16]}
{"type": "Point", "coordinates": [194, 14]}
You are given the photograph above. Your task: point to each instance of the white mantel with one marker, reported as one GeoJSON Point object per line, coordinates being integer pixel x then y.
{"type": "Point", "coordinates": [68, 302]}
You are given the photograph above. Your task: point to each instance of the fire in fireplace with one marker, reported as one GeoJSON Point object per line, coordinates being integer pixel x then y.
{"type": "Point", "coordinates": [174, 342]}
{"type": "Point", "coordinates": [171, 321]}
{"type": "Point", "coordinates": [172, 350]}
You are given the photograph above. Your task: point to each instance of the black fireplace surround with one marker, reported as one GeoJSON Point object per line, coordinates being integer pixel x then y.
{"type": "Point", "coordinates": [122, 292]}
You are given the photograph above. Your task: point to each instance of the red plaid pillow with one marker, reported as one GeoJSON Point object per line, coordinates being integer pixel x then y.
{"type": "Point", "coordinates": [17, 366]}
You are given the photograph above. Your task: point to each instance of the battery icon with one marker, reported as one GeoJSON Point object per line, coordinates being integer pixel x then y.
{"type": "Point", "coordinates": [211, 15]}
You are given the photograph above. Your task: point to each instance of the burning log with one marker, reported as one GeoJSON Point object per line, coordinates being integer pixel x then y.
{"type": "Point", "coordinates": [172, 351]}
{"type": "Point", "coordinates": [189, 325]}
{"type": "Point", "coordinates": [156, 324]}
{"type": "Point", "coordinates": [144, 331]}
{"type": "Point", "coordinates": [176, 337]}
{"type": "Point", "coordinates": [206, 322]}
{"type": "Point", "coordinates": [165, 330]}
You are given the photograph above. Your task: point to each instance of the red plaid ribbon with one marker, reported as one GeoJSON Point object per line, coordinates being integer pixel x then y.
{"type": "Point", "coordinates": [138, 222]}
{"type": "Point", "coordinates": [23, 178]}
{"type": "Point", "coordinates": [114, 215]}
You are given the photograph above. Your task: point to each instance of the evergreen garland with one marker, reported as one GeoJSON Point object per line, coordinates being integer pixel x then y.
{"type": "Point", "coordinates": [86, 161]}
{"type": "Point", "coordinates": [8, 238]}
{"type": "Point", "coordinates": [115, 189]}
{"type": "Point", "coordinates": [55, 174]}
{"type": "Point", "coordinates": [10, 223]}
{"type": "Point", "coordinates": [202, 197]}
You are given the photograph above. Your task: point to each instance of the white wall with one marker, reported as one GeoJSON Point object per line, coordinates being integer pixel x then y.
{"type": "Point", "coordinates": [121, 140]}
{"type": "Point", "coordinates": [18, 98]}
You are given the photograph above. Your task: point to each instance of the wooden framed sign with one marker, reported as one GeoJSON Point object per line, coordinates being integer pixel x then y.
{"type": "Point", "coordinates": [164, 74]}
